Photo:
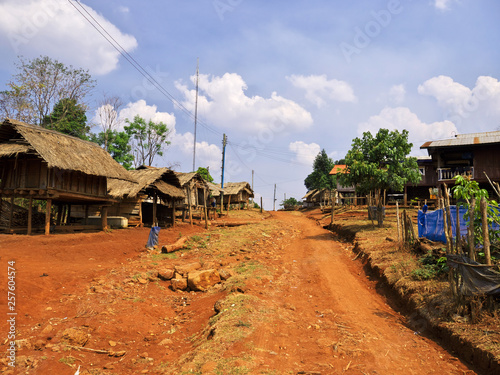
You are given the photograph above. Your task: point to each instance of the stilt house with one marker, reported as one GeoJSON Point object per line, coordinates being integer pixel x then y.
{"type": "Point", "coordinates": [41, 164]}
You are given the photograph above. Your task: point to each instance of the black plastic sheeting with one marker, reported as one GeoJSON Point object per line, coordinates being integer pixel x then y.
{"type": "Point", "coordinates": [477, 279]}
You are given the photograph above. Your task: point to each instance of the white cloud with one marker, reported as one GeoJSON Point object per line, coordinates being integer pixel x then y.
{"type": "Point", "coordinates": [401, 118]}
{"type": "Point", "coordinates": [478, 107]}
{"type": "Point", "coordinates": [123, 9]}
{"type": "Point", "coordinates": [222, 101]}
{"type": "Point", "coordinates": [305, 153]}
{"type": "Point", "coordinates": [443, 4]}
{"type": "Point", "coordinates": [55, 28]}
{"type": "Point", "coordinates": [207, 155]}
{"type": "Point", "coordinates": [147, 112]}
{"type": "Point", "coordinates": [319, 89]}
{"type": "Point", "coordinates": [397, 93]}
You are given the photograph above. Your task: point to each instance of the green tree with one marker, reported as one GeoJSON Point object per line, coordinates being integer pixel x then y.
{"type": "Point", "coordinates": [320, 177]}
{"type": "Point", "coordinates": [117, 143]}
{"type": "Point", "coordinates": [380, 163]}
{"type": "Point", "coordinates": [147, 139]}
{"type": "Point", "coordinates": [39, 85]}
{"type": "Point", "coordinates": [68, 117]}
{"type": "Point", "coordinates": [205, 174]}
{"type": "Point", "coordinates": [290, 203]}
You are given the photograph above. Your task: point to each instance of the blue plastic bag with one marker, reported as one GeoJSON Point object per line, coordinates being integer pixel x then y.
{"type": "Point", "coordinates": [153, 237]}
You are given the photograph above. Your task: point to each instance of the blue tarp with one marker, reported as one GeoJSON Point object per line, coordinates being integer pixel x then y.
{"type": "Point", "coordinates": [153, 237]}
{"type": "Point", "coordinates": [431, 225]}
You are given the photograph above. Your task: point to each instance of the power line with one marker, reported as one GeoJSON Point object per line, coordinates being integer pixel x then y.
{"type": "Point", "coordinates": [130, 59]}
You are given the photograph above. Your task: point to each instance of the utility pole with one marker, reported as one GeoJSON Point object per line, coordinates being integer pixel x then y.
{"type": "Point", "coordinates": [196, 114]}
{"type": "Point", "coordinates": [224, 142]}
{"type": "Point", "coordinates": [252, 179]}
{"type": "Point", "coordinates": [274, 200]}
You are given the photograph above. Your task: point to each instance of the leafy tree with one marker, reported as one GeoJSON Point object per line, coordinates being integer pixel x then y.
{"type": "Point", "coordinates": [147, 139]}
{"type": "Point", "coordinates": [320, 178]}
{"type": "Point", "coordinates": [205, 174]}
{"type": "Point", "coordinates": [68, 117]}
{"type": "Point", "coordinates": [290, 203]}
{"type": "Point", "coordinates": [117, 145]}
{"type": "Point", "coordinates": [380, 162]}
{"type": "Point", "coordinates": [39, 85]}
{"type": "Point", "coordinates": [109, 120]}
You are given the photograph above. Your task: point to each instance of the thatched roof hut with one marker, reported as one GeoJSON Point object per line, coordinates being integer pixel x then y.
{"type": "Point", "coordinates": [195, 188]}
{"type": "Point", "coordinates": [152, 199]}
{"type": "Point", "coordinates": [58, 150]}
{"type": "Point", "coordinates": [163, 180]}
{"type": "Point", "coordinates": [36, 163]}
{"type": "Point", "coordinates": [235, 192]}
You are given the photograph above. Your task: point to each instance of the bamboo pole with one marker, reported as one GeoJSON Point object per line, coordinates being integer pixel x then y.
{"type": "Point", "coordinates": [449, 229]}
{"type": "Point", "coordinates": [470, 229]}
{"type": "Point", "coordinates": [486, 234]}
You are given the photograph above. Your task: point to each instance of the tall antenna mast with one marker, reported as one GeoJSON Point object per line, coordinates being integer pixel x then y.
{"type": "Point", "coordinates": [196, 113]}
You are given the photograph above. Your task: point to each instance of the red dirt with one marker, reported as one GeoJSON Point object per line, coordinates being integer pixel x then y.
{"type": "Point", "coordinates": [329, 320]}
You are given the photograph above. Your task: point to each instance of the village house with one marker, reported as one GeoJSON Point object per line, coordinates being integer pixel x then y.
{"type": "Point", "coordinates": [44, 165]}
{"type": "Point", "coordinates": [235, 193]}
{"type": "Point", "coordinates": [476, 155]}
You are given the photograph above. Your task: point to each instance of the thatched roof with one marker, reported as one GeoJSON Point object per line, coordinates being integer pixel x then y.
{"type": "Point", "coordinates": [184, 178]}
{"type": "Point", "coordinates": [163, 179]}
{"type": "Point", "coordinates": [215, 189]}
{"type": "Point", "coordinates": [233, 188]}
{"type": "Point", "coordinates": [58, 150]}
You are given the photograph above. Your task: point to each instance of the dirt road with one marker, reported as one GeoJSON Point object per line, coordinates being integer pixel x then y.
{"type": "Point", "coordinates": [333, 321]}
{"type": "Point", "coordinates": [319, 313]}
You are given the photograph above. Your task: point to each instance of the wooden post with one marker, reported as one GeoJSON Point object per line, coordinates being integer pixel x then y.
{"type": "Point", "coordinates": [486, 233]}
{"type": "Point", "coordinates": [397, 215]}
{"type": "Point", "coordinates": [47, 216]}
{"type": "Point", "coordinates": [104, 217]}
{"type": "Point", "coordinates": [405, 197]}
{"type": "Point", "coordinates": [228, 203]}
{"type": "Point", "coordinates": [1, 204]}
{"type": "Point", "coordinates": [11, 216]}
{"type": "Point", "coordinates": [68, 217]}
{"type": "Point", "coordinates": [470, 230]}
{"type": "Point", "coordinates": [260, 204]}
{"type": "Point", "coordinates": [206, 212]}
{"type": "Point", "coordinates": [30, 214]}
{"type": "Point", "coordinates": [448, 216]}
{"type": "Point", "coordinates": [155, 207]}
{"type": "Point", "coordinates": [173, 212]}
{"type": "Point", "coordinates": [189, 206]}
{"type": "Point", "coordinates": [59, 214]}
{"type": "Point", "coordinates": [86, 219]}
{"type": "Point", "coordinates": [140, 212]}
{"type": "Point", "coordinates": [458, 245]}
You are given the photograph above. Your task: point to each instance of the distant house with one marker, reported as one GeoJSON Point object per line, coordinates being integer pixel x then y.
{"type": "Point", "coordinates": [41, 164]}
{"type": "Point", "coordinates": [345, 194]}
{"type": "Point", "coordinates": [476, 155]}
{"type": "Point", "coordinates": [153, 199]}
{"type": "Point", "coordinates": [235, 193]}
{"type": "Point", "coordinates": [195, 187]}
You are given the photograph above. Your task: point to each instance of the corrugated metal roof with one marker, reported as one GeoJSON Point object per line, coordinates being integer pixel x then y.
{"type": "Point", "coordinates": [465, 140]}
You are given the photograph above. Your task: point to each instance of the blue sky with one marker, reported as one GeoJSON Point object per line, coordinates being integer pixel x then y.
{"type": "Point", "coordinates": [281, 79]}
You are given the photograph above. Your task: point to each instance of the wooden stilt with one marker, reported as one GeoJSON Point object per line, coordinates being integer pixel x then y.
{"type": "Point", "coordinates": [11, 217]}
{"type": "Point", "coordinates": [86, 219]}
{"type": "Point", "coordinates": [104, 218]}
{"type": "Point", "coordinates": [47, 216]}
{"type": "Point", "coordinates": [155, 207]}
{"type": "Point", "coordinates": [30, 214]}
{"type": "Point", "coordinates": [189, 207]}
{"type": "Point", "coordinates": [173, 213]}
